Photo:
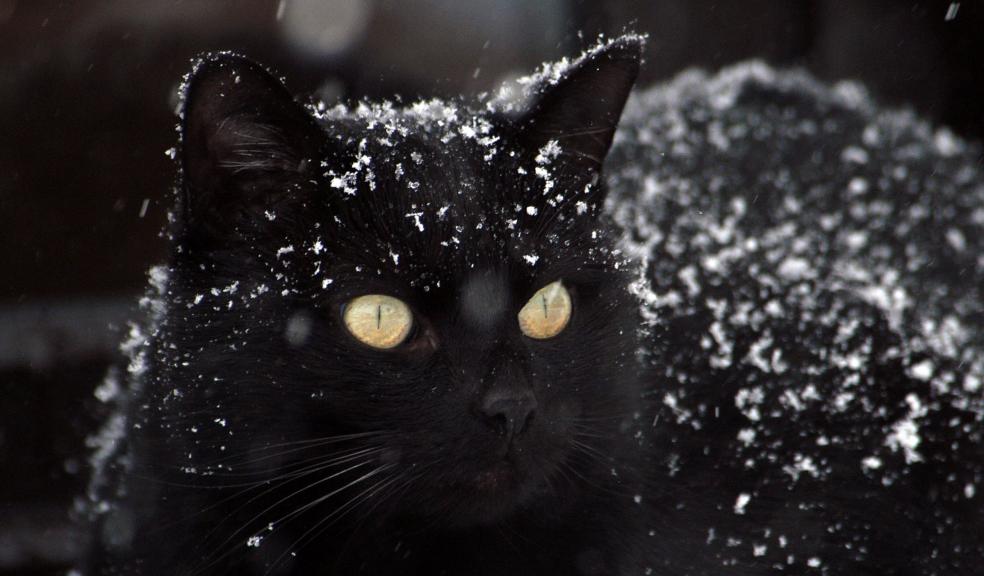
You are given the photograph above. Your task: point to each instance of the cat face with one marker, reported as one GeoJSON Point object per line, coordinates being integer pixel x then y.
{"type": "Point", "coordinates": [434, 281]}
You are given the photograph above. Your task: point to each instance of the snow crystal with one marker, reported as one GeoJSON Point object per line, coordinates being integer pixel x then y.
{"type": "Point", "coordinates": [857, 186]}
{"type": "Point", "coordinates": [855, 155]}
{"type": "Point", "coordinates": [905, 432]}
{"type": "Point", "coordinates": [801, 464]}
{"type": "Point", "coordinates": [109, 390]}
{"type": "Point", "coordinates": [742, 501]}
{"type": "Point", "coordinates": [951, 11]}
{"type": "Point", "coordinates": [417, 220]}
{"type": "Point", "coordinates": [747, 401]}
{"type": "Point", "coordinates": [547, 153]}
{"type": "Point", "coordinates": [972, 383]}
{"type": "Point", "coordinates": [871, 463]}
{"type": "Point", "coordinates": [956, 239]}
{"type": "Point", "coordinates": [689, 276]}
{"type": "Point", "coordinates": [747, 436]}
{"type": "Point", "coordinates": [922, 370]}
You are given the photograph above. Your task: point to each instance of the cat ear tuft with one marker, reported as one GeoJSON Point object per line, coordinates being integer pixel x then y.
{"type": "Point", "coordinates": [581, 109]}
{"type": "Point", "coordinates": [239, 126]}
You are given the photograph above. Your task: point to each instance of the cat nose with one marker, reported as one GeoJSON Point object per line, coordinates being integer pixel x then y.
{"type": "Point", "coordinates": [509, 411]}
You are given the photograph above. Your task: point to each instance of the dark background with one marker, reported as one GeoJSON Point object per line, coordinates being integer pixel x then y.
{"type": "Point", "coordinates": [87, 95]}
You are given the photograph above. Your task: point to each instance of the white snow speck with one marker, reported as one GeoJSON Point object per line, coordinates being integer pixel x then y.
{"type": "Point", "coordinates": [416, 219]}
{"type": "Point", "coordinates": [922, 370]}
{"type": "Point", "coordinates": [956, 239]}
{"type": "Point", "coordinates": [741, 502]}
{"type": "Point", "coordinates": [531, 210]}
{"type": "Point", "coordinates": [905, 432]}
{"type": "Point", "coordinates": [871, 463]}
{"type": "Point", "coordinates": [746, 436]}
{"type": "Point", "coordinates": [951, 11]}
{"type": "Point", "coordinates": [689, 276]}
{"type": "Point", "coordinates": [854, 155]}
{"type": "Point", "coordinates": [795, 269]}
{"type": "Point", "coordinates": [548, 152]}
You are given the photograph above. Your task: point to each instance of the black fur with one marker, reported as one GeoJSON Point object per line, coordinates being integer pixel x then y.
{"type": "Point", "coordinates": [261, 438]}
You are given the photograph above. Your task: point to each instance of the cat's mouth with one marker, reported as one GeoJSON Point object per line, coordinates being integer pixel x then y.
{"type": "Point", "coordinates": [499, 478]}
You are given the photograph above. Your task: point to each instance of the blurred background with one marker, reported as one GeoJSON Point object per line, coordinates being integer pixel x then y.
{"type": "Point", "coordinates": [87, 100]}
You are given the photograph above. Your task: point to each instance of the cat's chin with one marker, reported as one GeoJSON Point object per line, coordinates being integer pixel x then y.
{"type": "Point", "coordinates": [497, 479]}
{"type": "Point", "coordinates": [491, 495]}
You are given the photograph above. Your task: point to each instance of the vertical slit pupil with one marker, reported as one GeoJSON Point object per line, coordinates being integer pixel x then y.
{"type": "Point", "coordinates": [379, 316]}
{"type": "Point", "coordinates": [544, 297]}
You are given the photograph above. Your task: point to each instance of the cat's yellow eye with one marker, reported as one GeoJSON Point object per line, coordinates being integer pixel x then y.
{"type": "Point", "coordinates": [547, 312]}
{"type": "Point", "coordinates": [378, 320]}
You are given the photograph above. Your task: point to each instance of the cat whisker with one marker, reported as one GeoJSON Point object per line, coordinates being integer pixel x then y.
{"type": "Point", "coordinates": [590, 433]}
{"type": "Point", "coordinates": [212, 561]}
{"type": "Point", "coordinates": [272, 484]}
{"type": "Point", "coordinates": [296, 466]}
{"type": "Point", "coordinates": [314, 463]}
{"type": "Point", "coordinates": [338, 513]}
{"type": "Point", "coordinates": [294, 446]}
{"type": "Point", "coordinates": [589, 449]}
{"type": "Point", "coordinates": [286, 518]}
{"type": "Point", "coordinates": [393, 490]}
{"type": "Point", "coordinates": [597, 458]}
{"type": "Point", "coordinates": [294, 494]}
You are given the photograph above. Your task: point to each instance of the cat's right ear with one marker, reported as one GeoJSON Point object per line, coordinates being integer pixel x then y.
{"type": "Point", "coordinates": [244, 140]}
{"type": "Point", "coordinates": [580, 109]}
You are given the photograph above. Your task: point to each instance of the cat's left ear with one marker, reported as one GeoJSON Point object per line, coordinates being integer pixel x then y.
{"type": "Point", "coordinates": [244, 141]}
{"type": "Point", "coordinates": [581, 109]}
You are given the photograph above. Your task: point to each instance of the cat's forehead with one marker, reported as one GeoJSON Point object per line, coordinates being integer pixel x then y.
{"type": "Point", "coordinates": [427, 148]}
{"type": "Point", "coordinates": [437, 189]}
{"type": "Point", "coordinates": [427, 125]}
{"type": "Point", "coordinates": [430, 163]}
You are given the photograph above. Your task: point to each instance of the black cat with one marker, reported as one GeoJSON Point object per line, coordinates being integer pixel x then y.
{"type": "Point", "coordinates": [424, 340]}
